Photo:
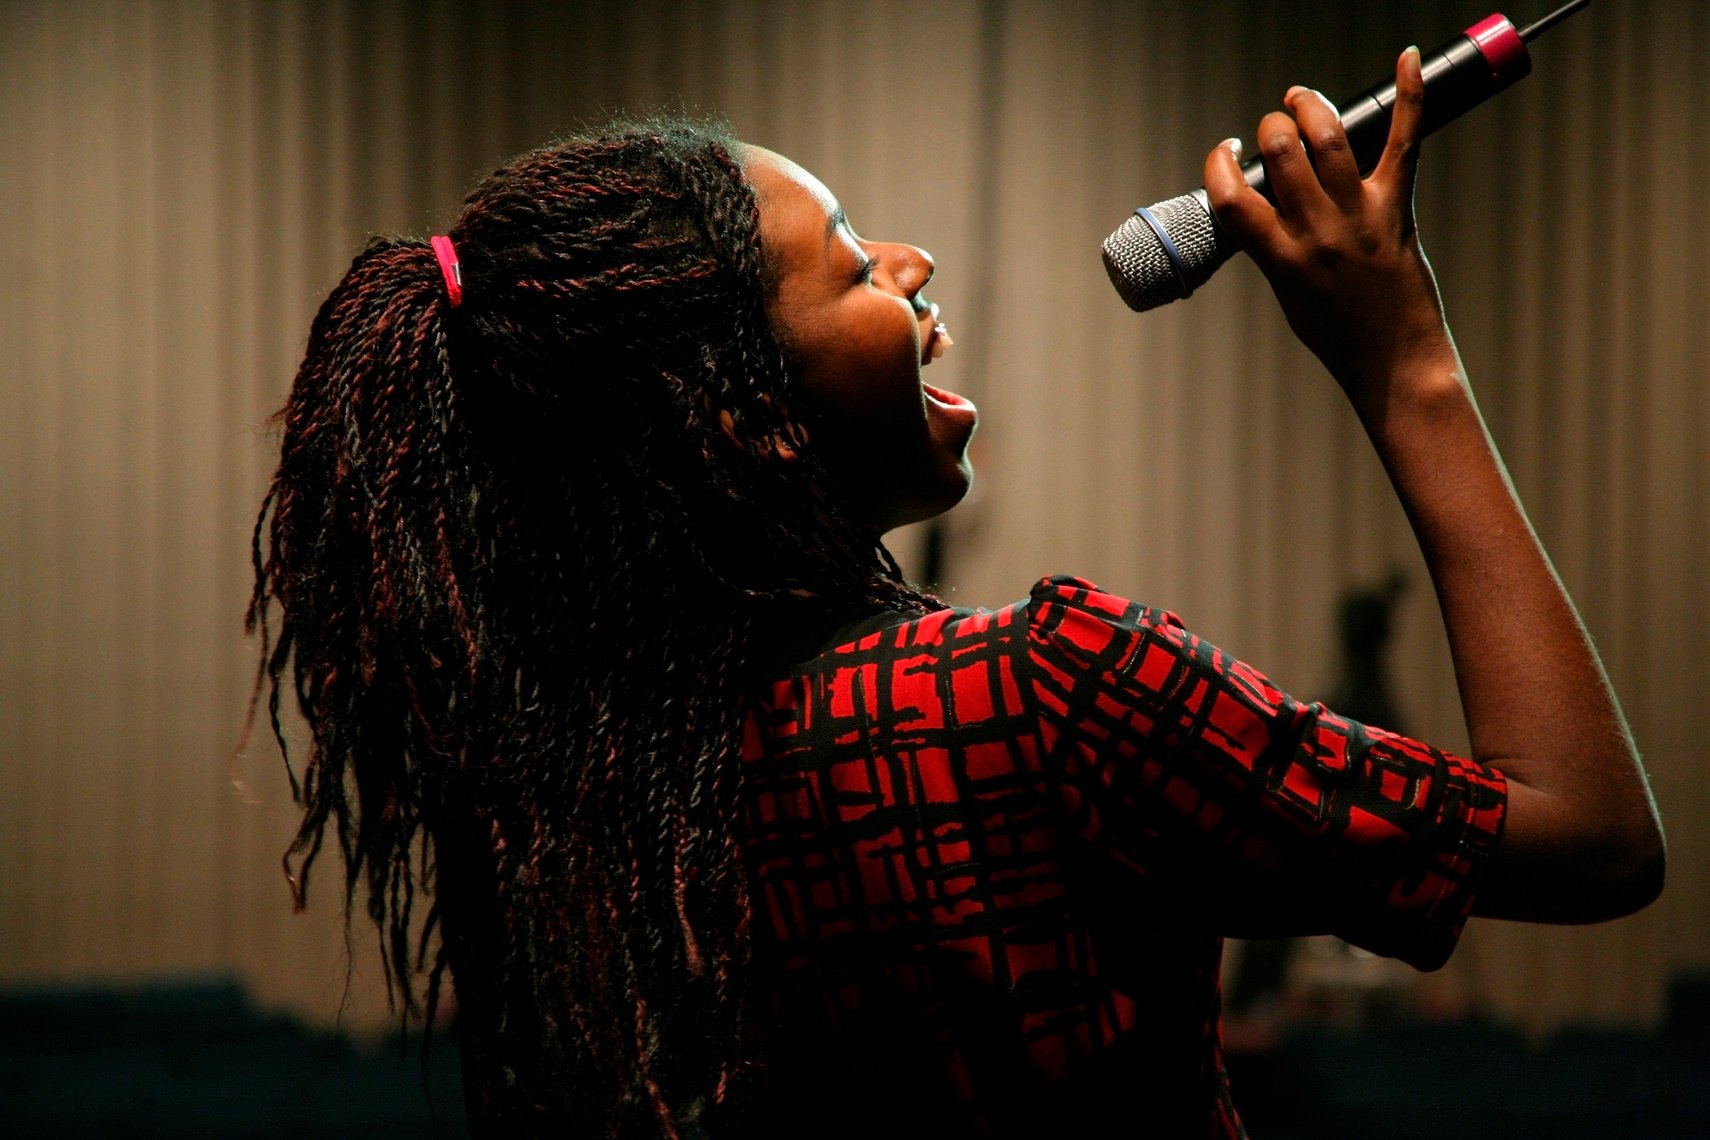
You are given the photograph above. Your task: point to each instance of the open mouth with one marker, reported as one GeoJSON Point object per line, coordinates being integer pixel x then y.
{"type": "Point", "coordinates": [946, 398]}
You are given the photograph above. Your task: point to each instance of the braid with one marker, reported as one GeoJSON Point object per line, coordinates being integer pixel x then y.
{"type": "Point", "coordinates": [512, 564]}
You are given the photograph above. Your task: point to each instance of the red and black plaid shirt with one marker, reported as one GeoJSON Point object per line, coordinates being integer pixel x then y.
{"type": "Point", "coordinates": [994, 855]}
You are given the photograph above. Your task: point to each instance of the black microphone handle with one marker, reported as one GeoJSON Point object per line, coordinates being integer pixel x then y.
{"type": "Point", "coordinates": [1165, 251]}
{"type": "Point", "coordinates": [1458, 77]}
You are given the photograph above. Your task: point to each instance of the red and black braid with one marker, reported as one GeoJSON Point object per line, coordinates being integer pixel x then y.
{"type": "Point", "coordinates": [513, 564]}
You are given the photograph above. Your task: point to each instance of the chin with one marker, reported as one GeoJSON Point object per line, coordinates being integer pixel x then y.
{"type": "Point", "coordinates": [945, 495]}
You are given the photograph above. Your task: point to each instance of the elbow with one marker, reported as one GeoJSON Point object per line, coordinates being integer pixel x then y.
{"type": "Point", "coordinates": [1644, 874]}
{"type": "Point", "coordinates": [1579, 877]}
{"type": "Point", "coordinates": [1575, 859]}
{"type": "Point", "coordinates": [1627, 878]}
{"type": "Point", "coordinates": [1646, 862]}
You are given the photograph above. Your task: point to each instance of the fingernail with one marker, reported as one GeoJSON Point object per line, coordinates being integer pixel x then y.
{"type": "Point", "coordinates": [1292, 93]}
{"type": "Point", "coordinates": [1234, 146]}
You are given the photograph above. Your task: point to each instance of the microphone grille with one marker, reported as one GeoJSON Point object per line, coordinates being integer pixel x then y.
{"type": "Point", "coordinates": [1143, 267]}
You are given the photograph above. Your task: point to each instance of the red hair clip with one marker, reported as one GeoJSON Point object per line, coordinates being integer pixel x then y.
{"type": "Point", "coordinates": [450, 268]}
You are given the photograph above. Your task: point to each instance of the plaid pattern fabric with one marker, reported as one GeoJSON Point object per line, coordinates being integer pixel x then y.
{"type": "Point", "coordinates": [994, 855]}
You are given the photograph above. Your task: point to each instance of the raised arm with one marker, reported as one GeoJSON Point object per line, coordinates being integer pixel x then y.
{"type": "Point", "coordinates": [1582, 841]}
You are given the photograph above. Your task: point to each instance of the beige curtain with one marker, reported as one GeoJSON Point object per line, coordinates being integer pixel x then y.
{"type": "Point", "coordinates": [183, 181]}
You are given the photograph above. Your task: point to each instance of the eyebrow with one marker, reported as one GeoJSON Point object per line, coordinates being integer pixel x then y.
{"type": "Point", "coordinates": [837, 218]}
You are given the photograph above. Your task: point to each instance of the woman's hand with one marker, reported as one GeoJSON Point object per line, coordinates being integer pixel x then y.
{"type": "Point", "coordinates": [1340, 251]}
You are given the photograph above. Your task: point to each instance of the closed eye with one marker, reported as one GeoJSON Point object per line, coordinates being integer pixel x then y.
{"type": "Point", "coordinates": [864, 271]}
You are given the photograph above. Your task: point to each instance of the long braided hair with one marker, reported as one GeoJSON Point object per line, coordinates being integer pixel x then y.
{"type": "Point", "coordinates": [512, 567]}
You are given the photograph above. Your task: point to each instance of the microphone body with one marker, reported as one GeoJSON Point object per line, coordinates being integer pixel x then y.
{"type": "Point", "coordinates": [1167, 250]}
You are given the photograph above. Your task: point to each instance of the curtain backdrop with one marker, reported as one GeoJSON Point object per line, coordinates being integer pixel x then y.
{"type": "Point", "coordinates": [184, 181]}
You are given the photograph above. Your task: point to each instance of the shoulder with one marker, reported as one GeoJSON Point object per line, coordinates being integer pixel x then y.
{"type": "Point", "coordinates": [1072, 621]}
{"type": "Point", "coordinates": [1061, 612]}
{"type": "Point", "coordinates": [949, 630]}
{"type": "Point", "coordinates": [901, 662]}
{"type": "Point", "coordinates": [1064, 599]}
{"type": "Point", "coordinates": [1063, 619]}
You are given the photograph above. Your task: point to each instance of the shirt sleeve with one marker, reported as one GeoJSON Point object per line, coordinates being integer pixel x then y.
{"type": "Point", "coordinates": [1230, 799]}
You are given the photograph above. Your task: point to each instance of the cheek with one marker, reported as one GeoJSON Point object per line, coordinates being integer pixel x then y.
{"type": "Point", "coordinates": [864, 370]}
{"type": "Point", "coordinates": [886, 346]}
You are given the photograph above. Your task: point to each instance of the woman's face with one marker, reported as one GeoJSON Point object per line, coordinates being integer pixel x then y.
{"type": "Point", "coordinates": [851, 315]}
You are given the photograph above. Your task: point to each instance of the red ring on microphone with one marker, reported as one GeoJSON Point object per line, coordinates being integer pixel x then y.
{"type": "Point", "coordinates": [1501, 47]}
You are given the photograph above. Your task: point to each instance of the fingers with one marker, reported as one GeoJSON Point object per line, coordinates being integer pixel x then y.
{"type": "Point", "coordinates": [1400, 161]}
{"type": "Point", "coordinates": [1320, 127]}
{"type": "Point", "coordinates": [1288, 169]}
{"type": "Point", "coordinates": [1240, 210]}
{"type": "Point", "coordinates": [1302, 191]}
{"type": "Point", "coordinates": [1310, 167]}
{"type": "Point", "coordinates": [1308, 162]}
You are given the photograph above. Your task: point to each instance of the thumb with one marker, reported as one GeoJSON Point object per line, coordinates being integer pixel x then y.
{"type": "Point", "coordinates": [1400, 162]}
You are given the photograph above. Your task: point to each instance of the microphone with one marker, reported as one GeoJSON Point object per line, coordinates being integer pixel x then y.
{"type": "Point", "coordinates": [1169, 249]}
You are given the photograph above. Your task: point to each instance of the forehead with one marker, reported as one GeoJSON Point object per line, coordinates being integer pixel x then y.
{"type": "Point", "coordinates": [795, 207]}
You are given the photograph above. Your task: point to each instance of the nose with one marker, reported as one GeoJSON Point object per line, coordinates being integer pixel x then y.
{"type": "Point", "coordinates": [911, 267]}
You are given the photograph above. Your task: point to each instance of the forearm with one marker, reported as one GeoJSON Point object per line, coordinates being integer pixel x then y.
{"type": "Point", "coordinates": [1582, 840]}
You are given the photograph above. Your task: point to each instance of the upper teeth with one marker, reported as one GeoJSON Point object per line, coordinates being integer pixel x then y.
{"type": "Point", "coordinates": [940, 339]}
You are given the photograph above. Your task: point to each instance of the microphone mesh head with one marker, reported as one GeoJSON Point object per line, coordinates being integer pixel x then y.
{"type": "Point", "coordinates": [1140, 265]}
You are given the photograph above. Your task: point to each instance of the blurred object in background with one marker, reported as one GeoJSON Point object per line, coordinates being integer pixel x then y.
{"type": "Point", "coordinates": [1365, 618]}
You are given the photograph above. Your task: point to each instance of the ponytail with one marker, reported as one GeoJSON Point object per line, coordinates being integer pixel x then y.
{"type": "Point", "coordinates": [368, 481]}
